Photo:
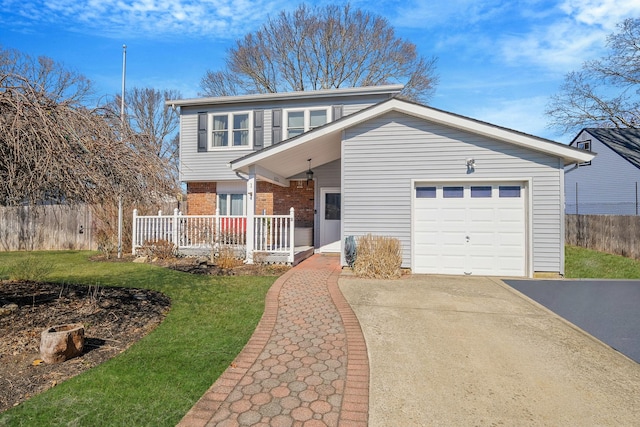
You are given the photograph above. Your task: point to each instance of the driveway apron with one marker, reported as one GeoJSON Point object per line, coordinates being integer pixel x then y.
{"type": "Point", "coordinates": [306, 364]}
{"type": "Point", "coordinates": [471, 351]}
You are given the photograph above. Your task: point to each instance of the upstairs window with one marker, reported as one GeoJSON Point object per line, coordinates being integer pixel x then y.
{"type": "Point", "coordinates": [300, 121]}
{"type": "Point", "coordinates": [585, 145]}
{"type": "Point", "coordinates": [231, 130]}
{"type": "Point", "coordinates": [220, 131]}
{"type": "Point", "coordinates": [295, 123]}
{"type": "Point", "coordinates": [317, 118]}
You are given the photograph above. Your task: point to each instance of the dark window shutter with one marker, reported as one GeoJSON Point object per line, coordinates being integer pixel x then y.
{"type": "Point", "coordinates": [276, 126]}
{"type": "Point", "coordinates": [202, 132]}
{"type": "Point", "coordinates": [337, 112]}
{"type": "Point", "coordinates": [258, 128]}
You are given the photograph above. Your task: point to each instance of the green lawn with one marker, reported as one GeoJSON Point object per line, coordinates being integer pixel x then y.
{"type": "Point", "coordinates": [588, 264]}
{"type": "Point", "coordinates": [157, 380]}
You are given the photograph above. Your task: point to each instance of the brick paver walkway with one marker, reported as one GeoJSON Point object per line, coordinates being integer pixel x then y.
{"type": "Point", "coordinates": [306, 364]}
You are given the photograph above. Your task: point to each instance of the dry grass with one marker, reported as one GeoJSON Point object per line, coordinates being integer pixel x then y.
{"type": "Point", "coordinates": [378, 257]}
{"type": "Point", "coordinates": [161, 249]}
{"type": "Point", "coordinates": [228, 257]}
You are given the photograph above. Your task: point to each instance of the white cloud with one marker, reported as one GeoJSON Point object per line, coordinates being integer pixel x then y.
{"type": "Point", "coordinates": [559, 46]}
{"type": "Point", "coordinates": [603, 13]}
{"type": "Point", "coordinates": [563, 41]}
{"type": "Point", "coordinates": [452, 13]}
{"type": "Point", "coordinates": [145, 18]}
{"type": "Point", "coordinates": [521, 114]}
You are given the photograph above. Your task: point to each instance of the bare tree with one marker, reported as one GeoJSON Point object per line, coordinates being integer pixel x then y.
{"type": "Point", "coordinates": [605, 92]}
{"type": "Point", "coordinates": [322, 48]}
{"type": "Point", "coordinates": [54, 149]}
{"type": "Point", "coordinates": [153, 123]}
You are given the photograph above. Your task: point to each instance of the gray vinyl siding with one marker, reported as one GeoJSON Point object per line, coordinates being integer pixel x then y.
{"type": "Point", "coordinates": [203, 166]}
{"type": "Point", "coordinates": [212, 165]}
{"type": "Point", "coordinates": [354, 108]}
{"type": "Point", "coordinates": [382, 156]}
{"type": "Point", "coordinates": [606, 187]}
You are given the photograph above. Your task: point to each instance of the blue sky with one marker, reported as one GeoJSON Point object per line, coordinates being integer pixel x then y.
{"type": "Point", "coordinates": [498, 61]}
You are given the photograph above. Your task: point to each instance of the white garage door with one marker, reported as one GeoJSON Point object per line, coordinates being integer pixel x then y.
{"type": "Point", "coordinates": [469, 229]}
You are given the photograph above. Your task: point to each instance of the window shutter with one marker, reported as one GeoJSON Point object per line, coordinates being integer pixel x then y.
{"type": "Point", "coordinates": [202, 132]}
{"type": "Point", "coordinates": [258, 128]}
{"type": "Point", "coordinates": [276, 126]}
{"type": "Point", "coordinates": [337, 112]}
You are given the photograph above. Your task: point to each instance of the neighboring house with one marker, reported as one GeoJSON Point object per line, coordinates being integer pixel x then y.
{"type": "Point", "coordinates": [607, 185]}
{"type": "Point", "coordinates": [462, 196]}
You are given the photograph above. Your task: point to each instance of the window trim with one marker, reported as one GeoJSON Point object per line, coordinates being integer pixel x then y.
{"type": "Point", "coordinates": [307, 118]}
{"type": "Point", "coordinates": [228, 201]}
{"type": "Point", "coordinates": [230, 130]}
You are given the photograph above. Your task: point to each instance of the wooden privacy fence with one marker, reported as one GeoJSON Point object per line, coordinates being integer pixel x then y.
{"type": "Point", "coordinates": [614, 234]}
{"type": "Point", "coordinates": [46, 227]}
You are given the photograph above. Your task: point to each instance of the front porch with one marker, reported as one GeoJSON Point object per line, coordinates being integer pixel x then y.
{"type": "Point", "coordinates": [275, 238]}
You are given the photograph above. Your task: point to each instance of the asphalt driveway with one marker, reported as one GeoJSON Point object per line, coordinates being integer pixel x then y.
{"type": "Point", "coordinates": [472, 351]}
{"type": "Point", "coordinates": [607, 309]}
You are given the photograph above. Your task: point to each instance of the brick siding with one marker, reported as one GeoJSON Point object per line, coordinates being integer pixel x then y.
{"type": "Point", "coordinates": [270, 198]}
{"type": "Point", "coordinates": [277, 200]}
{"type": "Point", "coordinates": [201, 198]}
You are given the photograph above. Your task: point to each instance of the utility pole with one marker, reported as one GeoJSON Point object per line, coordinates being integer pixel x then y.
{"type": "Point", "coordinates": [122, 118]}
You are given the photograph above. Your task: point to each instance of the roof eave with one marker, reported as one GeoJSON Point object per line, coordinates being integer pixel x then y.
{"type": "Point", "coordinates": [569, 154]}
{"type": "Point", "coordinates": [284, 96]}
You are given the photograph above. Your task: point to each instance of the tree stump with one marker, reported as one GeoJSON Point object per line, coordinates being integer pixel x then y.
{"type": "Point", "coordinates": [61, 342]}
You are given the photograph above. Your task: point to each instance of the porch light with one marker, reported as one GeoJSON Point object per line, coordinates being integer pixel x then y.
{"type": "Point", "coordinates": [471, 165]}
{"type": "Point", "coordinates": [309, 172]}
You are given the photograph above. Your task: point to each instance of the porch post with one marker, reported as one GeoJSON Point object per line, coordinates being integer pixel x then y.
{"type": "Point", "coordinates": [292, 233]}
{"type": "Point", "coordinates": [251, 211]}
{"type": "Point", "coordinates": [176, 224]}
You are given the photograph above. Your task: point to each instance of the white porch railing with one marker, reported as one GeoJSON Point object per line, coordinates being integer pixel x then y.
{"type": "Point", "coordinates": [274, 234]}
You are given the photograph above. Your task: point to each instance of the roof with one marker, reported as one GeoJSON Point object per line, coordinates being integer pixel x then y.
{"type": "Point", "coordinates": [282, 96]}
{"type": "Point", "coordinates": [323, 144]}
{"type": "Point", "coordinates": [625, 142]}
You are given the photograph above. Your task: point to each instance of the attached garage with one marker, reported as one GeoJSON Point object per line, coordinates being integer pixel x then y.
{"type": "Point", "coordinates": [470, 228]}
{"type": "Point", "coordinates": [460, 195]}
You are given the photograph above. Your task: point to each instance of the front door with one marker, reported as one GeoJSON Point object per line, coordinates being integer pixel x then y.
{"type": "Point", "coordinates": [330, 214]}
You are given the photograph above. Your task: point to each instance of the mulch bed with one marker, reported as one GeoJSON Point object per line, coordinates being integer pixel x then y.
{"type": "Point", "coordinates": [114, 318]}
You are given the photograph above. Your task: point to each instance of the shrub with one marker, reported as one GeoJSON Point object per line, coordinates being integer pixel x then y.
{"type": "Point", "coordinates": [227, 257]}
{"type": "Point", "coordinates": [378, 257]}
{"type": "Point", "coordinates": [28, 269]}
{"type": "Point", "coordinates": [161, 249]}
{"type": "Point", "coordinates": [106, 244]}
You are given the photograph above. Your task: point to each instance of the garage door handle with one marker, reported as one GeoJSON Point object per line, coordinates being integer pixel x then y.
{"type": "Point", "coordinates": [467, 237]}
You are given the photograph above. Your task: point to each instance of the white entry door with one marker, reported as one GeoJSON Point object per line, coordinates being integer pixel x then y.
{"type": "Point", "coordinates": [330, 214]}
{"type": "Point", "coordinates": [470, 228]}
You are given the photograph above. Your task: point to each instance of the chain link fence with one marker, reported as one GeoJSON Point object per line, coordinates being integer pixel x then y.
{"type": "Point", "coordinates": [623, 200]}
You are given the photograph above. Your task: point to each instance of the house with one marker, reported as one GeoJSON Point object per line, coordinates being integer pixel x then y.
{"type": "Point", "coordinates": [607, 185]}
{"type": "Point", "coordinates": [461, 195]}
